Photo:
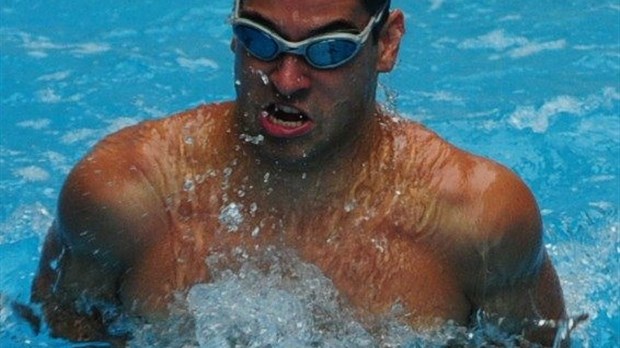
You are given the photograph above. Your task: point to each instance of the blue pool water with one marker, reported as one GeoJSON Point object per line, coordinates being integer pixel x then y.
{"type": "Point", "coordinates": [534, 84]}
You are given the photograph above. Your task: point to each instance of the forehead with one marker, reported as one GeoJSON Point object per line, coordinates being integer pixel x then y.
{"type": "Point", "coordinates": [307, 5]}
{"type": "Point", "coordinates": [305, 15]}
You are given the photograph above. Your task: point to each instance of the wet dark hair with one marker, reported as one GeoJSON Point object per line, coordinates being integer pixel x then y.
{"type": "Point", "coordinates": [374, 6]}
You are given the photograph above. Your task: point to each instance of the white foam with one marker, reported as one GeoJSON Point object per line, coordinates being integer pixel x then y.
{"type": "Point", "coordinates": [59, 161]}
{"type": "Point", "coordinates": [48, 96]}
{"type": "Point", "coordinates": [443, 96]}
{"type": "Point", "coordinates": [149, 110]}
{"type": "Point", "coordinates": [121, 122]}
{"type": "Point", "coordinates": [26, 220]}
{"type": "Point", "coordinates": [38, 54]}
{"type": "Point", "coordinates": [38, 43]}
{"type": "Point", "coordinates": [122, 33]}
{"type": "Point", "coordinates": [57, 76]}
{"type": "Point", "coordinates": [496, 40]}
{"type": "Point", "coordinates": [32, 173]}
{"type": "Point", "coordinates": [78, 135]}
{"type": "Point", "coordinates": [39, 46]}
{"type": "Point", "coordinates": [510, 18]}
{"type": "Point", "coordinates": [197, 64]}
{"type": "Point", "coordinates": [89, 48]}
{"type": "Point", "coordinates": [532, 48]}
{"type": "Point", "coordinates": [36, 124]}
{"type": "Point", "coordinates": [510, 45]}
{"type": "Point", "coordinates": [539, 119]}
{"type": "Point", "coordinates": [436, 5]}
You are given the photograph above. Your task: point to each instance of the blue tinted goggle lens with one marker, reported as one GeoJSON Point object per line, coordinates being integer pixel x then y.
{"type": "Point", "coordinates": [331, 52]}
{"type": "Point", "coordinates": [323, 54]}
{"type": "Point", "coordinates": [257, 42]}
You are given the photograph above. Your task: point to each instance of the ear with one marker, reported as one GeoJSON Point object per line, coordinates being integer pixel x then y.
{"type": "Point", "coordinates": [389, 41]}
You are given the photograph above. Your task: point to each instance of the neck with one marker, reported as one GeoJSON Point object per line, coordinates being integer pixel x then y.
{"type": "Point", "coordinates": [315, 183]}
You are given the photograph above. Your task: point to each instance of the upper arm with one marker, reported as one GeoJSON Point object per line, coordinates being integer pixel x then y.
{"type": "Point", "coordinates": [108, 212]}
{"type": "Point", "coordinates": [108, 206]}
{"type": "Point", "coordinates": [515, 280]}
{"type": "Point", "coordinates": [77, 293]}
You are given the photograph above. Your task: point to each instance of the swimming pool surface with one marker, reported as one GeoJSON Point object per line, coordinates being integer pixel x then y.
{"type": "Point", "coordinates": [534, 84]}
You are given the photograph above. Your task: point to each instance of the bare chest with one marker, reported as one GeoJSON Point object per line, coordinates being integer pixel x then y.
{"type": "Point", "coordinates": [372, 265]}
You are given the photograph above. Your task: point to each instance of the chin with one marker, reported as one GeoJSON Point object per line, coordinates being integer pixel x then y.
{"type": "Point", "coordinates": [293, 160]}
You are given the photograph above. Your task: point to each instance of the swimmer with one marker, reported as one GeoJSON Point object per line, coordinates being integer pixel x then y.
{"type": "Point", "coordinates": [306, 160]}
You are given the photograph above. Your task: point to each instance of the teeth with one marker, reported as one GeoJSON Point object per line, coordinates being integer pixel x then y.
{"type": "Point", "coordinates": [289, 124]}
{"type": "Point", "coordinates": [287, 109]}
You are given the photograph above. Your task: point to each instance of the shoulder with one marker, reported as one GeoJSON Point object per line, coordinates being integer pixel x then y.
{"type": "Point", "coordinates": [480, 209]}
{"type": "Point", "coordinates": [490, 213]}
{"type": "Point", "coordinates": [113, 201]}
{"type": "Point", "coordinates": [474, 191]}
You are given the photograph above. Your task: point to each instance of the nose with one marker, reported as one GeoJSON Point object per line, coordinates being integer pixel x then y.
{"type": "Point", "coordinates": [290, 76]}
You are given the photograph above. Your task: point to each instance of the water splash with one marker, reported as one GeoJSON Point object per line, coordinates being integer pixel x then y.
{"type": "Point", "coordinates": [276, 300]}
{"type": "Point", "coordinates": [287, 304]}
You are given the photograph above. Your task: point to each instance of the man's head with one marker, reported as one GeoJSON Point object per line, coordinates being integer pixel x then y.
{"type": "Point", "coordinates": [306, 72]}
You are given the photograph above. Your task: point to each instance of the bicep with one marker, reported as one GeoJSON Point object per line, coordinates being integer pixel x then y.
{"type": "Point", "coordinates": [110, 209]}
{"type": "Point", "coordinates": [77, 292]}
{"type": "Point", "coordinates": [108, 213]}
{"type": "Point", "coordinates": [513, 281]}
{"type": "Point", "coordinates": [520, 286]}
{"type": "Point", "coordinates": [520, 305]}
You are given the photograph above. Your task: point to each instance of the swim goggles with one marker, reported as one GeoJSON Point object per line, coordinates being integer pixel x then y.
{"type": "Point", "coordinates": [326, 51]}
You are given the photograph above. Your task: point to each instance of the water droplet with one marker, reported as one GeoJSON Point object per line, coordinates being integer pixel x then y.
{"type": "Point", "coordinates": [263, 77]}
{"type": "Point", "coordinates": [231, 216]}
{"type": "Point", "coordinates": [256, 140]}
{"type": "Point", "coordinates": [350, 206]}
{"type": "Point", "coordinates": [189, 185]}
{"type": "Point", "coordinates": [189, 140]}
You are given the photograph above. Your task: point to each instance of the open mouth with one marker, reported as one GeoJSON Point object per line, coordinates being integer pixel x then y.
{"type": "Point", "coordinates": [285, 121]}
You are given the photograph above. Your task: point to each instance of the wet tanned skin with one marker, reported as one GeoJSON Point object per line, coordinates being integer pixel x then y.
{"type": "Point", "coordinates": [389, 211]}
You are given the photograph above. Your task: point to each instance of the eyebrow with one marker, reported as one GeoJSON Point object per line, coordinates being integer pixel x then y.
{"type": "Point", "coordinates": [339, 25]}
